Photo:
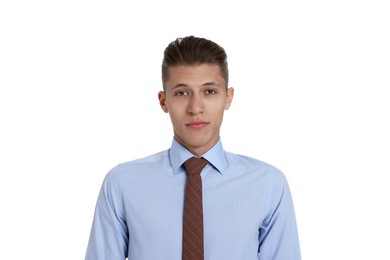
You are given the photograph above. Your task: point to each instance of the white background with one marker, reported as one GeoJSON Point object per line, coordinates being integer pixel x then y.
{"type": "Point", "coordinates": [79, 83]}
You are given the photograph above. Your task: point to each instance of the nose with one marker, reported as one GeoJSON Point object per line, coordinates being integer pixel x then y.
{"type": "Point", "coordinates": [195, 105]}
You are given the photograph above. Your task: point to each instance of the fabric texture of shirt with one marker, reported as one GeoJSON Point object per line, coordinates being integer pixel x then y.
{"type": "Point", "coordinates": [247, 208]}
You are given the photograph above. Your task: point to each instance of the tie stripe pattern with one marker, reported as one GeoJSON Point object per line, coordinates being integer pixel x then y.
{"type": "Point", "coordinates": [193, 248]}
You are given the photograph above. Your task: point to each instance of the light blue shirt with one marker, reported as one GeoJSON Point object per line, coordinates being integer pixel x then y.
{"type": "Point", "coordinates": [247, 206]}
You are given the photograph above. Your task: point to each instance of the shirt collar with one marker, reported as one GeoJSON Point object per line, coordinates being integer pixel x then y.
{"type": "Point", "coordinates": [178, 154]}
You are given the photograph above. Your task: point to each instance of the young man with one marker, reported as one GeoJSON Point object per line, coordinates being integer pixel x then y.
{"type": "Point", "coordinates": [143, 209]}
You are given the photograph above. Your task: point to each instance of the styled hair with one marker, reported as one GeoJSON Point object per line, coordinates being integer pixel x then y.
{"type": "Point", "coordinates": [192, 50]}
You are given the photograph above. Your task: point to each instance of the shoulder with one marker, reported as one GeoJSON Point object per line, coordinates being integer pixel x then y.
{"type": "Point", "coordinates": [139, 165]}
{"type": "Point", "coordinates": [148, 160]}
{"type": "Point", "coordinates": [248, 161]}
{"type": "Point", "coordinates": [259, 174]}
{"type": "Point", "coordinates": [253, 165]}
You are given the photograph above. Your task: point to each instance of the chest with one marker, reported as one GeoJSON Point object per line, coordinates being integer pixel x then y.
{"type": "Point", "coordinates": [233, 210]}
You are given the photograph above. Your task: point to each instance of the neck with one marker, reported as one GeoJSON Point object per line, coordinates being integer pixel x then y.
{"type": "Point", "coordinates": [197, 151]}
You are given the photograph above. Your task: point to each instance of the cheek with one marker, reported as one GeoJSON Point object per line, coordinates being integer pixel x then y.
{"type": "Point", "coordinates": [175, 115]}
{"type": "Point", "coordinates": [217, 109]}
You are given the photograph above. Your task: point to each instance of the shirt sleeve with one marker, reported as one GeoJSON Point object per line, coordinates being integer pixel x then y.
{"type": "Point", "coordinates": [109, 234]}
{"type": "Point", "coordinates": [278, 235]}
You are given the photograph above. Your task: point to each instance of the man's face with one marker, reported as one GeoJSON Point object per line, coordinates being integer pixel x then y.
{"type": "Point", "coordinates": [195, 98]}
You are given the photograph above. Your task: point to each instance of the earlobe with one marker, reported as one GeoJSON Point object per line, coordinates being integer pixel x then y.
{"type": "Point", "coordinates": [162, 98]}
{"type": "Point", "coordinates": [229, 98]}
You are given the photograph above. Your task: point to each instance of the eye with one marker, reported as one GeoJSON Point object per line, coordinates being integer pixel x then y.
{"type": "Point", "coordinates": [181, 93]}
{"type": "Point", "coordinates": [210, 91]}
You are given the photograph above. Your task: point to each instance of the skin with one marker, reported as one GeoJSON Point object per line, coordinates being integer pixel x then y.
{"type": "Point", "coordinates": [196, 98]}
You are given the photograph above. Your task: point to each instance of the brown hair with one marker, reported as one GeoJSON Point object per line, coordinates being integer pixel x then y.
{"type": "Point", "coordinates": [192, 50]}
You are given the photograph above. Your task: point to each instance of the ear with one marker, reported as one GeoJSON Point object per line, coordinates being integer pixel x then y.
{"type": "Point", "coordinates": [229, 98]}
{"type": "Point", "coordinates": [162, 99]}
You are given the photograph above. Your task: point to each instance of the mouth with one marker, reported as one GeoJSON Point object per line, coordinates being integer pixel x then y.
{"type": "Point", "coordinates": [197, 124]}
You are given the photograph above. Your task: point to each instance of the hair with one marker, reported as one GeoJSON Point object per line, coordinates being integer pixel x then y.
{"type": "Point", "coordinates": [192, 50]}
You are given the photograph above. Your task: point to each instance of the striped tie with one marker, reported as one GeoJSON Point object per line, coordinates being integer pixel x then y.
{"type": "Point", "coordinates": [193, 211]}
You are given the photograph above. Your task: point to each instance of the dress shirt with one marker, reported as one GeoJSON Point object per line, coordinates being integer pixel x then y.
{"type": "Point", "coordinates": [247, 209]}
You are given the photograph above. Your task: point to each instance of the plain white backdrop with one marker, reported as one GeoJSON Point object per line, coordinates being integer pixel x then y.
{"type": "Point", "coordinates": [78, 95]}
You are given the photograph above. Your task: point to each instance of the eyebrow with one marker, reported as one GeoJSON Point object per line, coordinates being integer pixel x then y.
{"type": "Point", "coordinates": [180, 85]}
{"type": "Point", "coordinates": [211, 83]}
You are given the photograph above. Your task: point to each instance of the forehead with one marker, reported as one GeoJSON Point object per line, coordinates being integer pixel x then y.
{"type": "Point", "coordinates": [194, 75]}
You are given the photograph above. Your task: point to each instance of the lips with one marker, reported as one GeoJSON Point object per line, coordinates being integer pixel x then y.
{"type": "Point", "coordinates": [197, 124]}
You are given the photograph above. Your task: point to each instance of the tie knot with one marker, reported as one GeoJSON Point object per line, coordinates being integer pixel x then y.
{"type": "Point", "coordinates": [195, 165]}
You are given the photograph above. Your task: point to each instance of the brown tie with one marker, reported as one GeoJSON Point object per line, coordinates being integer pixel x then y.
{"type": "Point", "coordinates": [193, 211]}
